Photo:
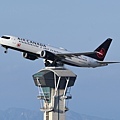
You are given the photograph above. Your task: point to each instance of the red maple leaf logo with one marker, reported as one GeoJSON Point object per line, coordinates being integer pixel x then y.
{"type": "Point", "coordinates": [18, 45]}
{"type": "Point", "coordinates": [101, 53]}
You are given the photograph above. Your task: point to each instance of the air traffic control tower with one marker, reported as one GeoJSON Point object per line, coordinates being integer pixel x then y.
{"type": "Point", "coordinates": [54, 84]}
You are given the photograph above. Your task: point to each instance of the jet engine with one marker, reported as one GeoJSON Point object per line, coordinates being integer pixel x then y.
{"type": "Point", "coordinates": [47, 55]}
{"type": "Point", "coordinates": [30, 56]}
{"type": "Point", "coordinates": [43, 54]}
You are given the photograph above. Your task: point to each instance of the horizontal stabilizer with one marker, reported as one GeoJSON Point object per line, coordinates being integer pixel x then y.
{"type": "Point", "coordinates": [105, 62]}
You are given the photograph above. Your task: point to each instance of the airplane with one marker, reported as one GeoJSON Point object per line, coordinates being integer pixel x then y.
{"type": "Point", "coordinates": [57, 56]}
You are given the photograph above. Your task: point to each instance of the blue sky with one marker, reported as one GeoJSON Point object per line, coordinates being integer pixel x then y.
{"type": "Point", "coordinates": [75, 25]}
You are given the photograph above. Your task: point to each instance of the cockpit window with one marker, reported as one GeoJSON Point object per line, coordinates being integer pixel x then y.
{"type": "Point", "coordinates": [5, 37]}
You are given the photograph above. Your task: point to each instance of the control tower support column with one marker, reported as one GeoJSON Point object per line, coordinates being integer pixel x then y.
{"type": "Point", "coordinates": [53, 84]}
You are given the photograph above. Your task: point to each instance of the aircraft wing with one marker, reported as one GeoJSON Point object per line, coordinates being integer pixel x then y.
{"type": "Point", "coordinates": [74, 54]}
{"type": "Point", "coordinates": [105, 62]}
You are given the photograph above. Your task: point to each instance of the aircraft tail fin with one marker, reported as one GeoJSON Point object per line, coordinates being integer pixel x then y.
{"type": "Point", "coordinates": [101, 50]}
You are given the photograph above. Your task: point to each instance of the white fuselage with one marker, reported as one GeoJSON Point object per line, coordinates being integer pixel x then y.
{"type": "Point", "coordinates": [36, 48]}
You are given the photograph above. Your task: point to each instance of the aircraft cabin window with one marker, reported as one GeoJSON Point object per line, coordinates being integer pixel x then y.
{"type": "Point", "coordinates": [5, 37]}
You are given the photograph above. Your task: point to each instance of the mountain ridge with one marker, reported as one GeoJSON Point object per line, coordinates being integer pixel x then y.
{"type": "Point", "coordinates": [25, 114]}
